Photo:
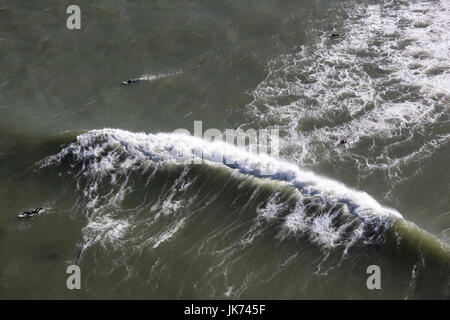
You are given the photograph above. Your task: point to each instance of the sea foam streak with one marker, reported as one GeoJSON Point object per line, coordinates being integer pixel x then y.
{"type": "Point", "coordinates": [153, 77]}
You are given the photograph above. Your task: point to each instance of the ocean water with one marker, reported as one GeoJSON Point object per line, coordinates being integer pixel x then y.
{"type": "Point", "coordinates": [104, 162]}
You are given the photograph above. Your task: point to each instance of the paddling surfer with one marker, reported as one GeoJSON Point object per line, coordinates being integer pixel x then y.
{"type": "Point", "coordinates": [30, 213]}
{"type": "Point", "coordinates": [131, 81]}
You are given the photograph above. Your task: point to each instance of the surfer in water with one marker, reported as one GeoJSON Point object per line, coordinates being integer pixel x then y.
{"type": "Point", "coordinates": [131, 81]}
{"type": "Point", "coordinates": [342, 142]}
{"type": "Point", "coordinates": [30, 213]}
{"type": "Point", "coordinates": [334, 35]}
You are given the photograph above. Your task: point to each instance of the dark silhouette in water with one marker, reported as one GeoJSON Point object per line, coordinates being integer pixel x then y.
{"type": "Point", "coordinates": [334, 35]}
{"type": "Point", "coordinates": [30, 213]}
{"type": "Point", "coordinates": [130, 81]}
{"type": "Point", "coordinates": [342, 142]}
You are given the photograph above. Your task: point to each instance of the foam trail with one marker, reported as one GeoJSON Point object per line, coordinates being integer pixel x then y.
{"type": "Point", "coordinates": [153, 77]}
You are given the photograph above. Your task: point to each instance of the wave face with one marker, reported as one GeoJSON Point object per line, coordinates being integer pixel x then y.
{"type": "Point", "coordinates": [336, 209]}
{"type": "Point", "coordinates": [141, 200]}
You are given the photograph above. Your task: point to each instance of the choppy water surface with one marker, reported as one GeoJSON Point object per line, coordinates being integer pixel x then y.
{"type": "Point", "coordinates": [103, 160]}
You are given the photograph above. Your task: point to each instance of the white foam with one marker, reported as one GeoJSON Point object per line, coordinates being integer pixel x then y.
{"type": "Point", "coordinates": [387, 76]}
{"type": "Point", "coordinates": [153, 77]}
{"type": "Point", "coordinates": [165, 236]}
{"type": "Point", "coordinates": [172, 148]}
{"type": "Point", "coordinates": [271, 209]}
{"type": "Point", "coordinates": [341, 215]}
{"type": "Point", "coordinates": [104, 229]}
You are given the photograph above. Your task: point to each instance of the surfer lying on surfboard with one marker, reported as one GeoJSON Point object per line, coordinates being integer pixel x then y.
{"type": "Point", "coordinates": [130, 81]}
{"type": "Point", "coordinates": [30, 213]}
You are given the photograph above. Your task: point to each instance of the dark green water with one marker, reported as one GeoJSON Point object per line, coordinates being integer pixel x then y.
{"type": "Point", "coordinates": [142, 225]}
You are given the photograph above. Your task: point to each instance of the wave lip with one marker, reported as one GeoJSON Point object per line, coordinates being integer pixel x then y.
{"type": "Point", "coordinates": [101, 150]}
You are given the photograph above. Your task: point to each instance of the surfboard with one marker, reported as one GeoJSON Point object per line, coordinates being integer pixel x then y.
{"type": "Point", "coordinates": [23, 215]}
